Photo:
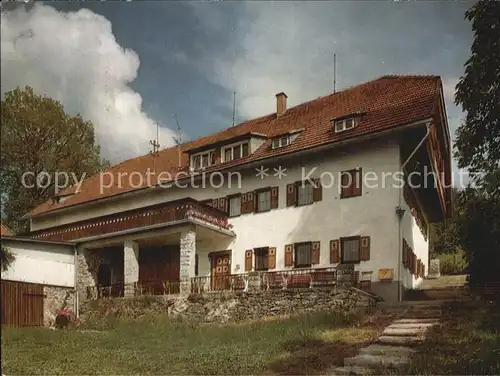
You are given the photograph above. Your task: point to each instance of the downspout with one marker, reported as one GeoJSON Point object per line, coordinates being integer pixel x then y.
{"type": "Point", "coordinates": [400, 211]}
{"type": "Point", "coordinates": [76, 303]}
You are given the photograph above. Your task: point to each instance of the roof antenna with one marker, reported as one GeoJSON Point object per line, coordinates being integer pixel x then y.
{"type": "Point", "coordinates": [234, 107]}
{"type": "Point", "coordinates": [334, 71]}
{"type": "Point", "coordinates": [156, 146]}
{"type": "Point", "coordinates": [178, 140]}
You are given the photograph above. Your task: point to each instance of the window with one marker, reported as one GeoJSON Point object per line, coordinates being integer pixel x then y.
{"type": "Point", "coordinates": [261, 258]}
{"type": "Point", "coordinates": [303, 254]}
{"type": "Point", "coordinates": [196, 265]}
{"type": "Point", "coordinates": [345, 124]}
{"type": "Point", "coordinates": [350, 249]}
{"type": "Point", "coordinates": [280, 142]}
{"type": "Point", "coordinates": [264, 200]}
{"type": "Point", "coordinates": [235, 152]}
{"type": "Point", "coordinates": [203, 160]}
{"type": "Point", "coordinates": [235, 206]}
{"type": "Point", "coordinates": [304, 193]}
{"type": "Point", "coordinates": [350, 183]}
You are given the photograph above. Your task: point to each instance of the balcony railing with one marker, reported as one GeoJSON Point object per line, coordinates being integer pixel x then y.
{"type": "Point", "coordinates": [133, 289]}
{"type": "Point", "coordinates": [300, 278]}
{"type": "Point", "coordinates": [233, 282]}
{"type": "Point", "coordinates": [173, 211]}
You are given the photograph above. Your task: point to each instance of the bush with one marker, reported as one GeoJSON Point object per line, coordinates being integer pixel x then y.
{"type": "Point", "coordinates": [453, 263]}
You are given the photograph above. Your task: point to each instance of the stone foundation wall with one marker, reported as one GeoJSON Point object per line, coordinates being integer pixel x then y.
{"type": "Point", "coordinates": [224, 307]}
{"type": "Point", "coordinates": [56, 298]}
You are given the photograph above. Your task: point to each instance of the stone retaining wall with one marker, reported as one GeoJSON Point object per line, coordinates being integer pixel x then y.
{"type": "Point", "coordinates": [56, 298]}
{"type": "Point", "coordinates": [224, 307]}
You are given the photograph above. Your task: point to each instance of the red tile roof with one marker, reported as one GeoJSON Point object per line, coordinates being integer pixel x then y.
{"type": "Point", "coordinates": [387, 102]}
{"type": "Point", "coordinates": [5, 231]}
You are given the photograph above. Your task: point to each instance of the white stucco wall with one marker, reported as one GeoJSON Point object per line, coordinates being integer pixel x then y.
{"type": "Point", "coordinates": [48, 264]}
{"type": "Point", "coordinates": [419, 244]}
{"type": "Point", "coordinates": [372, 214]}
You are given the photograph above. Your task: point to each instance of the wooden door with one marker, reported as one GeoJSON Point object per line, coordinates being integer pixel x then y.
{"type": "Point", "coordinates": [221, 270]}
{"type": "Point", "coordinates": [22, 303]}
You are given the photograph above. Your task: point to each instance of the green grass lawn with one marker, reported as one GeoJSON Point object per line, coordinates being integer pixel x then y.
{"type": "Point", "coordinates": [468, 343]}
{"type": "Point", "coordinates": [306, 344]}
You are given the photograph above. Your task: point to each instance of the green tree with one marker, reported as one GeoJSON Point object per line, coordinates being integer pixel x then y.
{"type": "Point", "coordinates": [444, 236]}
{"type": "Point", "coordinates": [478, 145]}
{"type": "Point", "coordinates": [478, 223]}
{"type": "Point", "coordinates": [6, 258]}
{"type": "Point", "coordinates": [37, 135]}
{"type": "Point", "coordinates": [478, 92]}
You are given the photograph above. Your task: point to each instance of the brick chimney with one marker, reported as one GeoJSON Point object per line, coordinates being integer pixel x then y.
{"type": "Point", "coordinates": [280, 104]}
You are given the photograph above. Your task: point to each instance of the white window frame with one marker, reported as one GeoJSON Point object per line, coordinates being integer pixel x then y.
{"type": "Point", "coordinates": [232, 147]}
{"type": "Point", "coordinates": [201, 155]}
{"type": "Point", "coordinates": [231, 198]}
{"type": "Point", "coordinates": [259, 208]}
{"type": "Point", "coordinates": [343, 124]}
{"type": "Point", "coordinates": [278, 141]}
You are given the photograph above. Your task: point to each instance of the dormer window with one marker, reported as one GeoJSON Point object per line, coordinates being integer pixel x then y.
{"type": "Point", "coordinates": [344, 124]}
{"type": "Point", "coordinates": [202, 160]}
{"type": "Point", "coordinates": [280, 142]}
{"type": "Point", "coordinates": [236, 151]}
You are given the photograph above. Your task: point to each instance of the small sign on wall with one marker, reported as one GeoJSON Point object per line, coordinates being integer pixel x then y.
{"type": "Point", "coordinates": [385, 274]}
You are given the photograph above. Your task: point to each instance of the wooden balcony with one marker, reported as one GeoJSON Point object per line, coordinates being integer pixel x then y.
{"type": "Point", "coordinates": [167, 213]}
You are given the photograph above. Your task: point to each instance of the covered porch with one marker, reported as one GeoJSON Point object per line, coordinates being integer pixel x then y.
{"type": "Point", "coordinates": [153, 260]}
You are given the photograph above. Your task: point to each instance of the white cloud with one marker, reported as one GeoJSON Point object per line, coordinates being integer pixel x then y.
{"type": "Point", "coordinates": [74, 57]}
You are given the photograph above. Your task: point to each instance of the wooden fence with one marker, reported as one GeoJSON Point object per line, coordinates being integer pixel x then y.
{"type": "Point", "coordinates": [22, 303]}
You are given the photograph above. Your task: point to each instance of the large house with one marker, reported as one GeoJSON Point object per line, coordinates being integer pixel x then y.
{"type": "Point", "coordinates": [352, 178]}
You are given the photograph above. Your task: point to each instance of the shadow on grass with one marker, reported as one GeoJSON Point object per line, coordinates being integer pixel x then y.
{"type": "Point", "coordinates": [310, 355]}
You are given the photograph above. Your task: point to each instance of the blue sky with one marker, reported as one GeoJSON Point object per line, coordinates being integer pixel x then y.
{"type": "Point", "coordinates": [126, 66]}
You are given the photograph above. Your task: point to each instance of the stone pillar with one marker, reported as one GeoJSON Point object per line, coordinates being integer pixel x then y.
{"type": "Point", "coordinates": [130, 266]}
{"type": "Point", "coordinates": [87, 263]}
{"type": "Point", "coordinates": [187, 258]}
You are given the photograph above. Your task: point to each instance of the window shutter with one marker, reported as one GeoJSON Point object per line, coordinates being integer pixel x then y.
{"type": "Point", "coordinates": [334, 251]}
{"type": "Point", "coordinates": [315, 252]}
{"type": "Point", "coordinates": [271, 262]}
{"type": "Point", "coordinates": [358, 183]}
{"type": "Point", "coordinates": [252, 199]}
{"type": "Point", "coordinates": [289, 255]}
{"type": "Point", "coordinates": [364, 252]}
{"type": "Point", "coordinates": [248, 202]}
{"type": "Point", "coordinates": [217, 156]}
{"type": "Point", "coordinates": [291, 195]}
{"type": "Point", "coordinates": [404, 256]}
{"type": "Point", "coordinates": [223, 204]}
{"type": "Point", "coordinates": [318, 190]}
{"type": "Point", "coordinates": [248, 260]}
{"type": "Point", "coordinates": [356, 276]}
{"type": "Point", "coordinates": [414, 263]}
{"type": "Point", "coordinates": [423, 270]}
{"type": "Point", "coordinates": [243, 203]}
{"type": "Point", "coordinates": [274, 197]}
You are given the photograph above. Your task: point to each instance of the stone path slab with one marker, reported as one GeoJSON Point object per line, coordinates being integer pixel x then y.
{"type": "Point", "coordinates": [367, 360]}
{"type": "Point", "coordinates": [400, 340]}
{"type": "Point", "coordinates": [390, 331]}
{"type": "Point", "coordinates": [350, 370]}
{"type": "Point", "coordinates": [416, 325]}
{"type": "Point", "coordinates": [416, 321]}
{"type": "Point", "coordinates": [394, 345]}
{"type": "Point", "coordinates": [377, 349]}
